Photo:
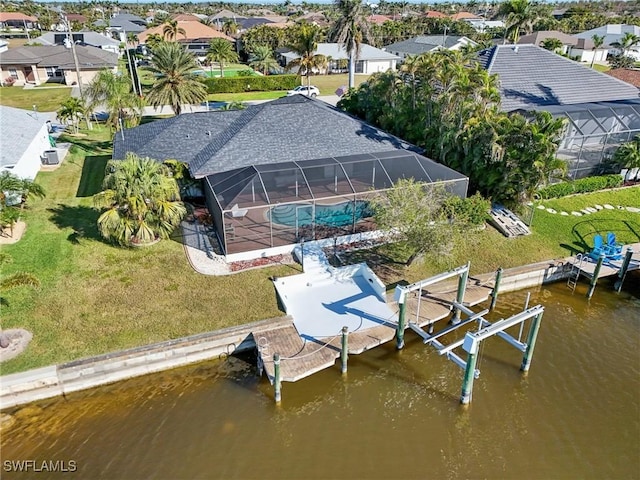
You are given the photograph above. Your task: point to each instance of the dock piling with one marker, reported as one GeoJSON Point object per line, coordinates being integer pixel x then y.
{"type": "Point", "coordinates": [462, 285]}
{"type": "Point", "coordinates": [276, 377]}
{"type": "Point", "coordinates": [344, 354]}
{"type": "Point", "coordinates": [401, 321]}
{"type": "Point", "coordinates": [496, 288]}
{"type": "Point", "coordinates": [623, 269]}
{"type": "Point", "coordinates": [469, 375]}
{"type": "Point", "coordinates": [531, 342]}
{"type": "Point", "coordinates": [594, 277]}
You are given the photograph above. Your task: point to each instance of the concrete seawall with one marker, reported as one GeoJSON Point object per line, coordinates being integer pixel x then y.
{"type": "Point", "coordinates": [37, 384]}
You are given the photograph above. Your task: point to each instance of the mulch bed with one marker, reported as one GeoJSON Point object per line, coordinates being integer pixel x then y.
{"type": "Point", "coordinates": [239, 266]}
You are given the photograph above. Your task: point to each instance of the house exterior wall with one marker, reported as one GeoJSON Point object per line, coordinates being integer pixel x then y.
{"type": "Point", "coordinates": [70, 77]}
{"type": "Point", "coordinates": [28, 165]}
{"type": "Point", "coordinates": [373, 66]}
{"type": "Point", "coordinates": [598, 56]}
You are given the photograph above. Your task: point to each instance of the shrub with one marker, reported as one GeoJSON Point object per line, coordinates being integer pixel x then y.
{"type": "Point", "coordinates": [251, 84]}
{"type": "Point", "coordinates": [584, 185]}
{"type": "Point", "coordinates": [9, 81]}
{"type": "Point", "coordinates": [473, 210]}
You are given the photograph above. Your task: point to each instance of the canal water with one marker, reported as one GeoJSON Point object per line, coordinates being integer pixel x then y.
{"type": "Point", "coordinates": [395, 415]}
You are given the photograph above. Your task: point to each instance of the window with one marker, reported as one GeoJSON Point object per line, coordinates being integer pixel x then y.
{"type": "Point", "coordinates": [13, 73]}
{"type": "Point", "coordinates": [53, 72]}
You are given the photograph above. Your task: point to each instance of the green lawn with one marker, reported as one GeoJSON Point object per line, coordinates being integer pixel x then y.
{"type": "Point", "coordinates": [96, 298]}
{"type": "Point", "coordinates": [601, 68]}
{"type": "Point", "coordinates": [45, 99]}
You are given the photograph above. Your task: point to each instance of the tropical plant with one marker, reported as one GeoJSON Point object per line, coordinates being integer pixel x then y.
{"type": "Point", "coordinates": [153, 40]}
{"type": "Point", "coordinates": [305, 46]}
{"type": "Point", "coordinates": [521, 15]}
{"type": "Point", "coordinates": [142, 202]}
{"type": "Point", "coordinates": [618, 60]}
{"type": "Point", "coordinates": [351, 29]}
{"type": "Point", "coordinates": [175, 83]}
{"type": "Point", "coordinates": [598, 41]}
{"type": "Point", "coordinates": [261, 59]}
{"type": "Point", "coordinates": [132, 38]}
{"type": "Point", "coordinates": [221, 51]}
{"type": "Point", "coordinates": [234, 106]}
{"type": "Point", "coordinates": [171, 30]}
{"type": "Point", "coordinates": [625, 43]}
{"type": "Point", "coordinates": [628, 154]}
{"type": "Point", "coordinates": [114, 93]}
{"type": "Point", "coordinates": [230, 27]}
{"type": "Point", "coordinates": [18, 188]}
{"type": "Point", "coordinates": [71, 112]}
{"type": "Point", "coordinates": [551, 44]}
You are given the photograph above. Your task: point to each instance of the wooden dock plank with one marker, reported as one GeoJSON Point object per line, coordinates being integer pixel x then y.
{"type": "Point", "coordinates": [361, 341]}
{"type": "Point", "coordinates": [611, 267]}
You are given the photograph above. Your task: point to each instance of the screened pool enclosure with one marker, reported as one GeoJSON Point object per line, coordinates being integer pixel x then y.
{"type": "Point", "coordinates": [594, 132]}
{"type": "Point", "coordinates": [264, 206]}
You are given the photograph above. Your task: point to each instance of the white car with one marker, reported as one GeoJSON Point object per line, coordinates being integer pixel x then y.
{"type": "Point", "coordinates": [309, 91]}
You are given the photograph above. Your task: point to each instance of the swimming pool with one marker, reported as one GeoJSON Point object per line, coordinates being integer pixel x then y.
{"type": "Point", "coordinates": [338, 215]}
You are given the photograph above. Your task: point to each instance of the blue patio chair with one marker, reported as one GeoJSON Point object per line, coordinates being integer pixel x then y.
{"type": "Point", "coordinates": [598, 247]}
{"type": "Point", "coordinates": [613, 249]}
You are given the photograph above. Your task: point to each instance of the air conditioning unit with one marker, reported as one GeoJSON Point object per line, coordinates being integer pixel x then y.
{"type": "Point", "coordinates": [50, 157]}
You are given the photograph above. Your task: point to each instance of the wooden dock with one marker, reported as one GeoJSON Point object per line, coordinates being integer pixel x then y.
{"type": "Point", "coordinates": [611, 267]}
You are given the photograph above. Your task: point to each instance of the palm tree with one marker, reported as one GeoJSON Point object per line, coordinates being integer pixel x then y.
{"type": "Point", "coordinates": [175, 85]}
{"type": "Point", "coordinates": [114, 92]}
{"type": "Point", "coordinates": [230, 27]}
{"type": "Point", "coordinates": [350, 30]}
{"type": "Point", "coordinates": [628, 154]}
{"type": "Point", "coordinates": [14, 185]}
{"type": "Point", "coordinates": [154, 40]}
{"type": "Point", "coordinates": [142, 201]}
{"type": "Point", "coordinates": [221, 51]}
{"type": "Point", "coordinates": [261, 59]}
{"type": "Point", "coordinates": [171, 30]}
{"type": "Point", "coordinates": [132, 38]}
{"type": "Point", "coordinates": [71, 111]}
{"type": "Point", "coordinates": [625, 43]}
{"type": "Point", "coordinates": [598, 41]}
{"type": "Point", "coordinates": [305, 46]}
{"type": "Point", "coordinates": [551, 44]}
{"type": "Point", "coordinates": [521, 15]}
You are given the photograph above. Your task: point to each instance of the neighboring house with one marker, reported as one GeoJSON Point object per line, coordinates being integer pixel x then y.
{"type": "Point", "coordinates": [24, 137]}
{"type": "Point", "coordinates": [428, 43]}
{"type": "Point", "coordinates": [17, 20]}
{"type": "Point", "coordinates": [223, 15]}
{"type": "Point", "coordinates": [465, 16]}
{"type": "Point", "coordinates": [185, 17]}
{"type": "Point", "coordinates": [378, 19]}
{"type": "Point", "coordinates": [122, 24]}
{"type": "Point", "coordinates": [613, 33]}
{"type": "Point", "coordinates": [434, 14]}
{"type": "Point", "coordinates": [286, 170]}
{"type": "Point", "coordinates": [481, 25]}
{"type": "Point", "coordinates": [580, 49]}
{"type": "Point", "coordinates": [601, 111]}
{"type": "Point", "coordinates": [371, 59]}
{"type": "Point", "coordinates": [91, 39]}
{"type": "Point", "coordinates": [196, 38]}
{"type": "Point", "coordinates": [54, 64]}
{"type": "Point", "coordinates": [316, 18]}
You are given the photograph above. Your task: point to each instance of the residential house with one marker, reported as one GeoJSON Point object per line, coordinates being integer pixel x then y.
{"type": "Point", "coordinates": [196, 37]}
{"type": "Point", "coordinates": [428, 43]}
{"type": "Point", "coordinates": [54, 64]}
{"type": "Point", "coordinates": [370, 60]}
{"type": "Point", "coordinates": [284, 171]}
{"type": "Point", "coordinates": [24, 136]}
{"type": "Point", "coordinates": [122, 24]}
{"type": "Point", "coordinates": [17, 20]}
{"type": "Point", "coordinates": [378, 19]}
{"type": "Point", "coordinates": [465, 16]}
{"type": "Point", "coordinates": [481, 25]}
{"type": "Point", "coordinates": [601, 112]}
{"type": "Point", "coordinates": [580, 49]}
{"type": "Point", "coordinates": [86, 38]}
{"type": "Point", "coordinates": [223, 15]}
{"type": "Point", "coordinates": [613, 33]}
{"type": "Point", "coordinates": [434, 14]}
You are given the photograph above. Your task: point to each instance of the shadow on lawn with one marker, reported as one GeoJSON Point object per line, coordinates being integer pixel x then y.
{"type": "Point", "coordinates": [88, 145]}
{"type": "Point", "coordinates": [93, 172]}
{"type": "Point", "coordinates": [583, 232]}
{"type": "Point", "coordinates": [83, 221]}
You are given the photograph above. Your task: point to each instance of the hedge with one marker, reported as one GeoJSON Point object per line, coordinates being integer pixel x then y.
{"type": "Point", "coordinates": [266, 83]}
{"type": "Point", "coordinates": [584, 185]}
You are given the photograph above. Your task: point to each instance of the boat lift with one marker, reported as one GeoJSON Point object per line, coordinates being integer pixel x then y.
{"type": "Point", "coordinates": [472, 339]}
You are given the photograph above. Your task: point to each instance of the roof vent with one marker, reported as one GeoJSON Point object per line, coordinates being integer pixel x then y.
{"type": "Point", "coordinates": [188, 136]}
{"type": "Point", "coordinates": [515, 48]}
{"type": "Point", "coordinates": [208, 133]}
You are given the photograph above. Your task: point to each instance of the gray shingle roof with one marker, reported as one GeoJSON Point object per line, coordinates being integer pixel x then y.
{"type": "Point", "coordinates": [532, 77]}
{"type": "Point", "coordinates": [290, 128]}
{"type": "Point", "coordinates": [337, 52]}
{"type": "Point", "coordinates": [89, 58]}
{"type": "Point", "coordinates": [18, 128]}
{"type": "Point", "coordinates": [92, 38]}
{"type": "Point", "coordinates": [423, 44]}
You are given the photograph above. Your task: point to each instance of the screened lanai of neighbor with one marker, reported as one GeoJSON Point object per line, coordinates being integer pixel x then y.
{"type": "Point", "coordinates": [594, 132]}
{"type": "Point", "coordinates": [264, 206]}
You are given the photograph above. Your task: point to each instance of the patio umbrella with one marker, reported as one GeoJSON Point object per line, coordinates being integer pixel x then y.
{"type": "Point", "coordinates": [342, 90]}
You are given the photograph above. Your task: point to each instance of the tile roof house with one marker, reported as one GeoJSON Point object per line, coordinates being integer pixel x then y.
{"type": "Point", "coordinates": [573, 46]}
{"type": "Point", "coordinates": [613, 33]}
{"type": "Point", "coordinates": [378, 19]}
{"type": "Point", "coordinates": [371, 59]}
{"type": "Point", "coordinates": [17, 20]}
{"type": "Point", "coordinates": [86, 38]}
{"type": "Point", "coordinates": [54, 64]}
{"type": "Point", "coordinates": [196, 38]}
{"type": "Point", "coordinates": [24, 137]}
{"type": "Point", "coordinates": [434, 14]}
{"type": "Point", "coordinates": [600, 111]}
{"type": "Point", "coordinates": [532, 78]}
{"type": "Point", "coordinates": [427, 43]}
{"type": "Point", "coordinates": [261, 164]}
{"type": "Point", "coordinates": [465, 16]}
{"type": "Point", "coordinates": [122, 24]}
